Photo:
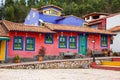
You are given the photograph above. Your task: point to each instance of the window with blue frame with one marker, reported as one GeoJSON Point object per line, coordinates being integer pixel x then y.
{"type": "Point", "coordinates": [18, 43]}
{"type": "Point", "coordinates": [104, 40]}
{"type": "Point", "coordinates": [72, 42]}
{"type": "Point", "coordinates": [30, 44]}
{"type": "Point", "coordinates": [48, 38]}
{"type": "Point", "coordinates": [62, 42]}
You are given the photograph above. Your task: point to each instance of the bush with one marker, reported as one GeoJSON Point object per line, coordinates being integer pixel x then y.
{"type": "Point", "coordinates": [115, 54]}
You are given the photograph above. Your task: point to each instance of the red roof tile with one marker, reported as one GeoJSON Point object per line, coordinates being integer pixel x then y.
{"type": "Point", "coordinates": [56, 27]}
{"type": "Point", "coordinates": [11, 26]}
{"type": "Point", "coordinates": [3, 32]}
{"type": "Point", "coordinates": [115, 29]}
{"type": "Point", "coordinates": [95, 13]}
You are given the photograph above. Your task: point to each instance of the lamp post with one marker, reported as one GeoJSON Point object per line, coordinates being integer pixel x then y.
{"type": "Point", "coordinates": [93, 41]}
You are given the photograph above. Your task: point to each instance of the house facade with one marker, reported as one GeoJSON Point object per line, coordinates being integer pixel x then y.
{"type": "Point", "coordinates": [106, 22]}
{"type": "Point", "coordinates": [56, 33]}
{"type": "Point", "coordinates": [51, 14]}
{"type": "Point", "coordinates": [96, 20]}
{"type": "Point", "coordinates": [27, 40]}
{"type": "Point", "coordinates": [116, 42]}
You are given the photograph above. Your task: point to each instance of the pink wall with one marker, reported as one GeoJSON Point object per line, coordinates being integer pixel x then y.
{"type": "Point", "coordinates": [51, 49]}
{"type": "Point", "coordinates": [97, 39]}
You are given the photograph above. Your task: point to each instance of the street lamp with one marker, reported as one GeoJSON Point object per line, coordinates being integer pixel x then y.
{"type": "Point", "coordinates": [93, 41]}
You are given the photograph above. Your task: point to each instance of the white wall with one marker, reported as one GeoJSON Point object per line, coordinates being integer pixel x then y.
{"type": "Point", "coordinates": [116, 43]}
{"type": "Point", "coordinates": [113, 21]}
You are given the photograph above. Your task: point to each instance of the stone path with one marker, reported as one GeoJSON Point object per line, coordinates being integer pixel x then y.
{"type": "Point", "coordinates": [58, 74]}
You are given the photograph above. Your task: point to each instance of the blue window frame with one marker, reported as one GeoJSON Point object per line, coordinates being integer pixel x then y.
{"type": "Point", "coordinates": [104, 40]}
{"type": "Point", "coordinates": [18, 43]}
{"type": "Point", "coordinates": [62, 42]}
{"type": "Point", "coordinates": [48, 39]}
{"type": "Point", "coordinates": [72, 42]}
{"type": "Point", "coordinates": [30, 44]}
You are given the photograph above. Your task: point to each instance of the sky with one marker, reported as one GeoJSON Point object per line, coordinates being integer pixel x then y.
{"type": "Point", "coordinates": [2, 1]}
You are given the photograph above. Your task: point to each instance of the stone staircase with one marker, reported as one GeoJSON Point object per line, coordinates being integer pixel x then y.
{"type": "Point", "coordinates": [114, 64]}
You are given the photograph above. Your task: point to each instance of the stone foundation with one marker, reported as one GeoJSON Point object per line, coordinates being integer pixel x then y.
{"type": "Point", "coordinates": [54, 64]}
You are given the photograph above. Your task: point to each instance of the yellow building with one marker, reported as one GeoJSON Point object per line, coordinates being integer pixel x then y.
{"type": "Point", "coordinates": [3, 43]}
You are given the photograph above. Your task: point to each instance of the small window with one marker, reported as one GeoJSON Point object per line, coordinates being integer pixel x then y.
{"type": "Point", "coordinates": [34, 14]}
{"type": "Point", "coordinates": [62, 42]}
{"type": "Point", "coordinates": [54, 12]}
{"type": "Point", "coordinates": [30, 44]}
{"type": "Point", "coordinates": [111, 40]}
{"type": "Point", "coordinates": [49, 39]}
{"type": "Point", "coordinates": [95, 26]}
{"type": "Point", "coordinates": [95, 17]}
{"type": "Point", "coordinates": [72, 42]}
{"type": "Point", "coordinates": [18, 43]}
{"type": "Point", "coordinates": [28, 17]}
{"type": "Point", "coordinates": [36, 24]}
{"type": "Point", "coordinates": [104, 41]}
{"type": "Point", "coordinates": [48, 12]}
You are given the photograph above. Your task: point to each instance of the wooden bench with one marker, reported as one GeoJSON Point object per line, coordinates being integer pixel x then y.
{"type": "Point", "coordinates": [98, 54]}
{"type": "Point", "coordinates": [67, 55]}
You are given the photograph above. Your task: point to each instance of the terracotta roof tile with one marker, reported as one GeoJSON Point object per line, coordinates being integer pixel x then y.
{"type": "Point", "coordinates": [115, 29]}
{"type": "Point", "coordinates": [56, 27]}
{"type": "Point", "coordinates": [2, 31]}
{"type": "Point", "coordinates": [11, 26]}
{"type": "Point", "coordinates": [95, 13]}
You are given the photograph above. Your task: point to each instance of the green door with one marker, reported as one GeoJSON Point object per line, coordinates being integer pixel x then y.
{"type": "Point", "coordinates": [82, 44]}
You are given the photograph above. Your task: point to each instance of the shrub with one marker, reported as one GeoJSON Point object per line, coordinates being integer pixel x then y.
{"type": "Point", "coordinates": [115, 54]}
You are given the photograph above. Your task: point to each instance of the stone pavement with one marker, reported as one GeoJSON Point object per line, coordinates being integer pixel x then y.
{"type": "Point", "coordinates": [58, 74]}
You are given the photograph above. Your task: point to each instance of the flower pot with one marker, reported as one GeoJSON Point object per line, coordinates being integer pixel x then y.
{"type": "Point", "coordinates": [17, 61]}
{"type": "Point", "coordinates": [40, 58]}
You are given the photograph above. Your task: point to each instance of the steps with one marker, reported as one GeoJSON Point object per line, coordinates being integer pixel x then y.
{"type": "Point", "coordinates": [108, 65]}
{"type": "Point", "coordinates": [111, 63]}
{"type": "Point", "coordinates": [116, 59]}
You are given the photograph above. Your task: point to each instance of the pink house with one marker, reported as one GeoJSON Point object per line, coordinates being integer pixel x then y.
{"type": "Point", "coordinates": [27, 40]}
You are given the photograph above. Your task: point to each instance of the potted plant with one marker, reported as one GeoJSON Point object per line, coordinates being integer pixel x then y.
{"type": "Point", "coordinates": [17, 58]}
{"type": "Point", "coordinates": [42, 53]}
{"type": "Point", "coordinates": [89, 52]}
{"type": "Point", "coordinates": [105, 52]}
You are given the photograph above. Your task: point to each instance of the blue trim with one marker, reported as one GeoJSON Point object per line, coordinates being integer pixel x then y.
{"type": "Point", "coordinates": [75, 42]}
{"type": "Point", "coordinates": [105, 41]}
{"type": "Point", "coordinates": [22, 42]}
{"type": "Point", "coordinates": [65, 41]}
{"type": "Point", "coordinates": [6, 52]}
{"type": "Point", "coordinates": [52, 38]}
{"type": "Point", "coordinates": [33, 43]}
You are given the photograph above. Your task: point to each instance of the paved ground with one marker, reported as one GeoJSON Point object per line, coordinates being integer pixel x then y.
{"type": "Point", "coordinates": [59, 74]}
